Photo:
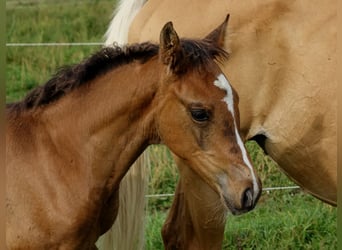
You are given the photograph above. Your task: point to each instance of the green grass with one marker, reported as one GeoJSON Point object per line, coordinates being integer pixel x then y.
{"type": "Point", "coordinates": [65, 21]}
{"type": "Point", "coordinates": [284, 220]}
{"type": "Point", "coordinates": [281, 220]}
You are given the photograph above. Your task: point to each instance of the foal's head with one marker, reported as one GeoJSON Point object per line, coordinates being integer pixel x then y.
{"type": "Point", "coordinates": [199, 117]}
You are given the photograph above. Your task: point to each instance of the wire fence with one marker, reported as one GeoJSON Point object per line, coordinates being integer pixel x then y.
{"type": "Point", "coordinates": [53, 44]}
{"type": "Point", "coordinates": [33, 3]}
{"type": "Point", "coordinates": [264, 190]}
{"type": "Point", "coordinates": [268, 189]}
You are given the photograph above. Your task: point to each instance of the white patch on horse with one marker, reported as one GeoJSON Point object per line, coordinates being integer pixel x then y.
{"type": "Point", "coordinates": [222, 83]}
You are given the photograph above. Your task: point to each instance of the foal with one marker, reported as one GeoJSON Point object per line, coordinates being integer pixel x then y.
{"type": "Point", "coordinates": [71, 141]}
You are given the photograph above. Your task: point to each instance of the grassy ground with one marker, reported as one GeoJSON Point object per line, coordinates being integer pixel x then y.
{"type": "Point", "coordinates": [65, 21]}
{"type": "Point", "coordinates": [281, 220]}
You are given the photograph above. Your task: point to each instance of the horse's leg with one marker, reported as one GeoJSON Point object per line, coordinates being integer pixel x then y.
{"type": "Point", "coordinates": [107, 217]}
{"type": "Point", "coordinates": [94, 248]}
{"type": "Point", "coordinates": [109, 212]}
{"type": "Point", "coordinates": [127, 232]}
{"type": "Point", "coordinates": [197, 216]}
{"type": "Point", "coordinates": [177, 227]}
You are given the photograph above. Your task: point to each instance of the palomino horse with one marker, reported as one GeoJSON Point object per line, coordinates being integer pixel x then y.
{"type": "Point", "coordinates": [71, 141]}
{"type": "Point", "coordinates": [282, 63]}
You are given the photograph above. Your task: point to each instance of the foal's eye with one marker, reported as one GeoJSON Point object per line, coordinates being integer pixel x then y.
{"type": "Point", "coordinates": [200, 115]}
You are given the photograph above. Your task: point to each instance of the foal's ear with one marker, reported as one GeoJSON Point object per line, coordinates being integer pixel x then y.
{"type": "Point", "coordinates": [217, 36]}
{"type": "Point", "coordinates": [170, 49]}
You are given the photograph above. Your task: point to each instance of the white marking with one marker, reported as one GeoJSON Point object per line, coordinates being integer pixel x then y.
{"type": "Point", "coordinates": [222, 83]}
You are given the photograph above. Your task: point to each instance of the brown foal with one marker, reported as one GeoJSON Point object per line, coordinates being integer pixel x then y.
{"type": "Point", "coordinates": [71, 141]}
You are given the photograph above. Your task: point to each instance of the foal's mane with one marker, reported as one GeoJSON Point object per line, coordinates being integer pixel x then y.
{"type": "Point", "coordinates": [197, 55]}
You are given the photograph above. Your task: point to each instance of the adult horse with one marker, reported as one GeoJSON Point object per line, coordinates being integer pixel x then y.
{"type": "Point", "coordinates": [287, 53]}
{"type": "Point", "coordinates": [71, 141]}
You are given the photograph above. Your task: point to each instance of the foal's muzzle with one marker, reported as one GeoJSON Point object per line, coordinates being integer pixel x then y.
{"type": "Point", "coordinates": [247, 202]}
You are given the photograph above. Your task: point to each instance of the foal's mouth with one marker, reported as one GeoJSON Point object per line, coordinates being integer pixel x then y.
{"type": "Point", "coordinates": [236, 211]}
{"type": "Point", "coordinates": [246, 203]}
{"type": "Point", "coordinates": [231, 208]}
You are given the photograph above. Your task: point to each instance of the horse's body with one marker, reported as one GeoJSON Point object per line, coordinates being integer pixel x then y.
{"type": "Point", "coordinates": [282, 63]}
{"type": "Point", "coordinates": [71, 141]}
{"type": "Point", "coordinates": [287, 53]}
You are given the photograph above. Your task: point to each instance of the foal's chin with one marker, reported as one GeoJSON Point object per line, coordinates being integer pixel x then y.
{"type": "Point", "coordinates": [235, 210]}
{"type": "Point", "coordinates": [238, 206]}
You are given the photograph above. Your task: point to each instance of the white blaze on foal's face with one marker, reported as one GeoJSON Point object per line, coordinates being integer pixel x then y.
{"type": "Point", "coordinates": [223, 83]}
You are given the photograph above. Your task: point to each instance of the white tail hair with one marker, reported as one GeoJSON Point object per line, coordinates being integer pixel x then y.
{"type": "Point", "coordinates": [127, 233]}
{"type": "Point", "coordinates": [123, 16]}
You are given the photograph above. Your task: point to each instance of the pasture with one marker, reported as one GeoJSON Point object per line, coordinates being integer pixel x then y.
{"type": "Point", "coordinates": [283, 219]}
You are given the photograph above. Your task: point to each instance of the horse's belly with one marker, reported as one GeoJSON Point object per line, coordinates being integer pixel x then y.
{"type": "Point", "coordinates": [310, 159]}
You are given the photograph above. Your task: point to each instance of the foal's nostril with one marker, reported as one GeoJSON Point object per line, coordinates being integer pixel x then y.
{"type": "Point", "coordinates": [247, 199]}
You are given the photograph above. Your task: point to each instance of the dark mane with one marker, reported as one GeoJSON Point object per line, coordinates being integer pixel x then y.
{"type": "Point", "coordinates": [71, 77]}
{"type": "Point", "coordinates": [197, 54]}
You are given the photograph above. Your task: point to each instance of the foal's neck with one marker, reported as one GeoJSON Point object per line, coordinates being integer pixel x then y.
{"type": "Point", "coordinates": [110, 120]}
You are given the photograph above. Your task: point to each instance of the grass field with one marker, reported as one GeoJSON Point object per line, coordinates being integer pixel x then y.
{"type": "Point", "coordinates": [281, 220]}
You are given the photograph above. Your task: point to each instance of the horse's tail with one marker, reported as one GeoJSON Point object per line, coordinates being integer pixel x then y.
{"type": "Point", "coordinates": [122, 19]}
{"type": "Point", "coordinates": [127, 233]}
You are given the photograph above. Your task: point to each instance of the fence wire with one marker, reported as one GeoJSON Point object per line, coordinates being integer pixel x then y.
{"type": "Point", "coordinates": [264, 190]}
{"type": "Point", "coordinates": [53, 44]}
